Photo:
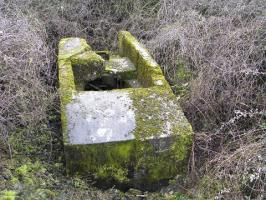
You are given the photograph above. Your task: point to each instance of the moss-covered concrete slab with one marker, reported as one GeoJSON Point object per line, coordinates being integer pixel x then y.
{"type": "Point", "coordinates": [121, 66]}
{"type": "Point", "coordinates": [72, 46]}
{"type": "Point", "coordinates": [142, 113]}
{"type": "Point", "coordinates": [133, 135]}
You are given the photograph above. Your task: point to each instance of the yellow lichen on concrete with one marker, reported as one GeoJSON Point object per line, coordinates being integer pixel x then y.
{"type": "Point", "coordinates": [149, 72]}
{"type": "Point", "coordinates": [72, 46]}
{"type": "Point", "coordinates": [67, 90]}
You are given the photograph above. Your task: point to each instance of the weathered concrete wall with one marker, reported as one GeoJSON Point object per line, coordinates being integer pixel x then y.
{"type": "Point", "coordinates": [149, 72]}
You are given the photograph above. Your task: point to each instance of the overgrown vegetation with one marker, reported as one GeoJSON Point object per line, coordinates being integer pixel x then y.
{"type": "Point", "coordinates": [211, 51]}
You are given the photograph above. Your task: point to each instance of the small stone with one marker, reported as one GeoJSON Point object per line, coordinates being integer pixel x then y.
{"type": "Point", "coordinates": [6, 174]}
{"type": "Point", "coordinates": [134, 192]}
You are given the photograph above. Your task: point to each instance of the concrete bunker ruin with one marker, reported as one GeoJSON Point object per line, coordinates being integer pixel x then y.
{"type": "Point", "coordinates": [120, 119]}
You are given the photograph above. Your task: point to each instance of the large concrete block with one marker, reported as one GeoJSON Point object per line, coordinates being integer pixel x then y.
{"type": "Point", "coordinates": [126, 134]}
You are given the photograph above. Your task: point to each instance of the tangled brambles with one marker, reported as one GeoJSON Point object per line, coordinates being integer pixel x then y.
{"type": "Point", "coordinates": [212, 52]}
{"type": "Point", "coordinates": [26, 78]}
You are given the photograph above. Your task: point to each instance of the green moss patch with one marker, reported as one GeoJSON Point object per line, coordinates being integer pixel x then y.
{"type": "Point", "coordinates": [168, 135]}
{"type": "Point", "coordinates": [67, 89]}
{"type": "Point", "coordinates": [8, 195]}
{"type": "Point", "coordinates": [109, 161]}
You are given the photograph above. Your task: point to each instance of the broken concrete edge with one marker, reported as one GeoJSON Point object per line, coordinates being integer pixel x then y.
{"type": "Point", "coordinates": [117, 64]}
{"type": "Point", "coordinates": [149, 72]}
{"type": "Point", "coordinates": [125, 75]}
{"type": "Point", "coordinates": [104, 54]}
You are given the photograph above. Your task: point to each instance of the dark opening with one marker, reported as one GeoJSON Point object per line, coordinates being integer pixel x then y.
{"type": "Point", "coordinates": [104, 54]}
{"type": "Point", "coordinates": [142, 186]}
{"type": "Point", "coordinates": [106, 82]}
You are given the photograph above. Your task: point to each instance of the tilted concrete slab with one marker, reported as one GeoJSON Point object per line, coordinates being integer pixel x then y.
{"type": "Point", "coordinates": [121, 66]}
{"type": "Point", "coordinates": [130, 135]}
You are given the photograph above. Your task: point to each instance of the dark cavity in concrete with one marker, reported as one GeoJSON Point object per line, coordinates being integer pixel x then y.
{"type": "Point", "coordinates": [106, 82]}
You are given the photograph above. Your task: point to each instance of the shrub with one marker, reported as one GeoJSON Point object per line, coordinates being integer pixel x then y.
{"type": "Point", "coordinates": [211, 51]}
{"type": "Point", "coordinates": [26, 76]}
{"type": "Point", "coordinates": [223, 44]}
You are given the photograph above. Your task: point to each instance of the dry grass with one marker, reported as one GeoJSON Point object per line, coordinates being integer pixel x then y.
{"type": "Point", "coordinates": [25, 78]}
{"type": "Point", "coordinates": [222, 43]}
